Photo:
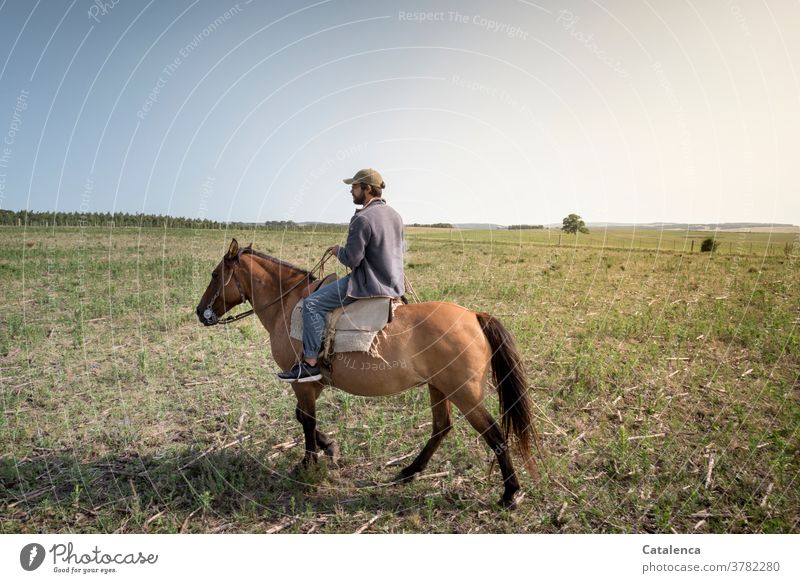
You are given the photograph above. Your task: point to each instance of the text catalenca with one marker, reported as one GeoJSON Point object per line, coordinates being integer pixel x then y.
{"type": "Point", "coordinates": [670, 550]}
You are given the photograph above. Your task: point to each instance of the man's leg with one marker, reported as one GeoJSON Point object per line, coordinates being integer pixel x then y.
{"type": "Point", "coordinates": [315, 309]}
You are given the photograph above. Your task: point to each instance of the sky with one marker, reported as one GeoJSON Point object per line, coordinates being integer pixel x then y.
{"type": "Point", "coordinates": [502, 112]}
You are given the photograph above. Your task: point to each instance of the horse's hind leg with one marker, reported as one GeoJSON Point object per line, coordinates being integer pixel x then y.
{"type": "Point", "coordinates": [442, 424]}
{"type": "Point", "coordinates": [484, 424]}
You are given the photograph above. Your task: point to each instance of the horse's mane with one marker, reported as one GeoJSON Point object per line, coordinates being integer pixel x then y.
{"type": "Point", "coordinates": [250, 251]}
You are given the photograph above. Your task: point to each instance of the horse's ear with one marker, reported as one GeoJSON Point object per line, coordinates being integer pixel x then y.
{"type": "Point", "coordinates": [233, 250]}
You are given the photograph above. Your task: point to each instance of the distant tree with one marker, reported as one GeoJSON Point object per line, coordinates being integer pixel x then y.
{"type": "Point", "coordinates": [573, 223]}
{"type": "Point", "coordinates": [519, 227]}
{"type": "Point", "coordinates": [709, 245]}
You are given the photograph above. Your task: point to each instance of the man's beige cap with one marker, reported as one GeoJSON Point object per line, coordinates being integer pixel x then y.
{"type": "Point", "coordinates": [367, 176]}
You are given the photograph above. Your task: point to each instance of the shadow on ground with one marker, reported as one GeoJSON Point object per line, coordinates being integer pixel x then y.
{"type": "Point", "coordinates": [193, 491]}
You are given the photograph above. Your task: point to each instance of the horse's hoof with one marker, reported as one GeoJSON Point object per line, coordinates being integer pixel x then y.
{"type": "Point", "coordinates": [332, 451]}
{"type": "Point", "coordinates": [309, 460]}
{"type": "Point", "coordinates": [511, 502]}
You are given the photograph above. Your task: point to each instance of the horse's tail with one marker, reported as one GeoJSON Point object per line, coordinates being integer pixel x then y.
{"type": "Point", "coordinates": [508, 374]}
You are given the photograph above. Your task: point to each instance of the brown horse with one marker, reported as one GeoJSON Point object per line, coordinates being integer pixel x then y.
{"type": "Point", "coordinates": [451, 349]}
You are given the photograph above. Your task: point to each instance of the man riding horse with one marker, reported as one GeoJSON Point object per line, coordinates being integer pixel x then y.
{"type": "Point", "coordinates": [456, 352]}
{"type": "Point", "coordinates": [374, 252]}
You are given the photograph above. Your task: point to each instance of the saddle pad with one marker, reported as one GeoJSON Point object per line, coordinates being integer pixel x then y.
{"type": "Point", "coordinates": [356, 325]}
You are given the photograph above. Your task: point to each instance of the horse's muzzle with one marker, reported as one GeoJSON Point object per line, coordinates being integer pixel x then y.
{"type": "Point", "coordinates": [206, 316]}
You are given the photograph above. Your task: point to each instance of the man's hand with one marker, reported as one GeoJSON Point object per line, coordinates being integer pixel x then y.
{"type": "Point", "coordinates": [333, 249]}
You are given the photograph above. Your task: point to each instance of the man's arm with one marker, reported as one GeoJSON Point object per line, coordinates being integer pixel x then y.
{"type": "Point", "coordinates": [352, 253]}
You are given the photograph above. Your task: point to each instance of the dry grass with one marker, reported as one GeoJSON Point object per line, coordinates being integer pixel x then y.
{"type": "Point", "coordinates": [666, 386]}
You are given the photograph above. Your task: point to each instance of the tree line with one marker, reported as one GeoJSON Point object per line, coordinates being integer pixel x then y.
{"type": "Point", "coordinates": [434, 225]}
{"type": "Point", "coordinates": [76, 219]}
{"type": "Point", "coordinates": [571, 224]}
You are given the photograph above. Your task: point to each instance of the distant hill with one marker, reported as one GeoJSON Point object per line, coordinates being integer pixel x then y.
{"type": "Point", "coordinates": [321, 224]}
{"type": "Point", "coordinates": [760, 227]}
{"type": "Point", "coordinates": [756, 227]}
{"type": "Point", "coordinates": [485, 226]}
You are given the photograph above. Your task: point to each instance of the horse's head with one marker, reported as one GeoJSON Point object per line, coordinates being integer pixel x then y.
{"type": "Point", "coordinates": [224, 292]}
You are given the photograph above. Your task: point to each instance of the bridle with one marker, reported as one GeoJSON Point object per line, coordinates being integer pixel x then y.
{"type": "Point", "coordinates": [253, 310]}
{"type": "Point", "coordinates": [209, 311]}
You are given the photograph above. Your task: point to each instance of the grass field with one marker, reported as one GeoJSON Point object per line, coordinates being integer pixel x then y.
{"type": "Point", "coordinates": [666, 386]}
{"type": "Point", "coordinates": [729, 242]}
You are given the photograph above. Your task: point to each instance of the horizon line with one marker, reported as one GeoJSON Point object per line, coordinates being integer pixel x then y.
{"type": "Point", "coordinates": [596, 223]}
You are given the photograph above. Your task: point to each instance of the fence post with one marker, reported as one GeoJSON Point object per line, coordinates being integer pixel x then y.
{"type": "Point", "coordinates": [692, 251]}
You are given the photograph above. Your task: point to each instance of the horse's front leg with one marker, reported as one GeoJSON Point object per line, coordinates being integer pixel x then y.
{"type": "Point", "coordinates": [306, 413]}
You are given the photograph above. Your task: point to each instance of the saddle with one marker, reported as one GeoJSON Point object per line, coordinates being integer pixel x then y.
{"type": "Point", "coordinates": [349, 329]}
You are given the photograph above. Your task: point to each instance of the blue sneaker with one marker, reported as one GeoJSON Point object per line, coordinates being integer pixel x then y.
{"type": "Point", "coordinates": [302, 372]}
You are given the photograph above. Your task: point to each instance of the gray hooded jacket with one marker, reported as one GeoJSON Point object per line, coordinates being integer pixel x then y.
{"type": "Point", "coordinates": [374, 251]}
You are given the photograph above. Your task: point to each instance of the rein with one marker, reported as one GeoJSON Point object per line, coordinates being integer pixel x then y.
{"type": "Point", "coordinates": [319, 267]}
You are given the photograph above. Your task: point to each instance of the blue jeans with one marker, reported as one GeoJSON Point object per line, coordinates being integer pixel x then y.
{"type": "Point", "coordinates": [316, 307]}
